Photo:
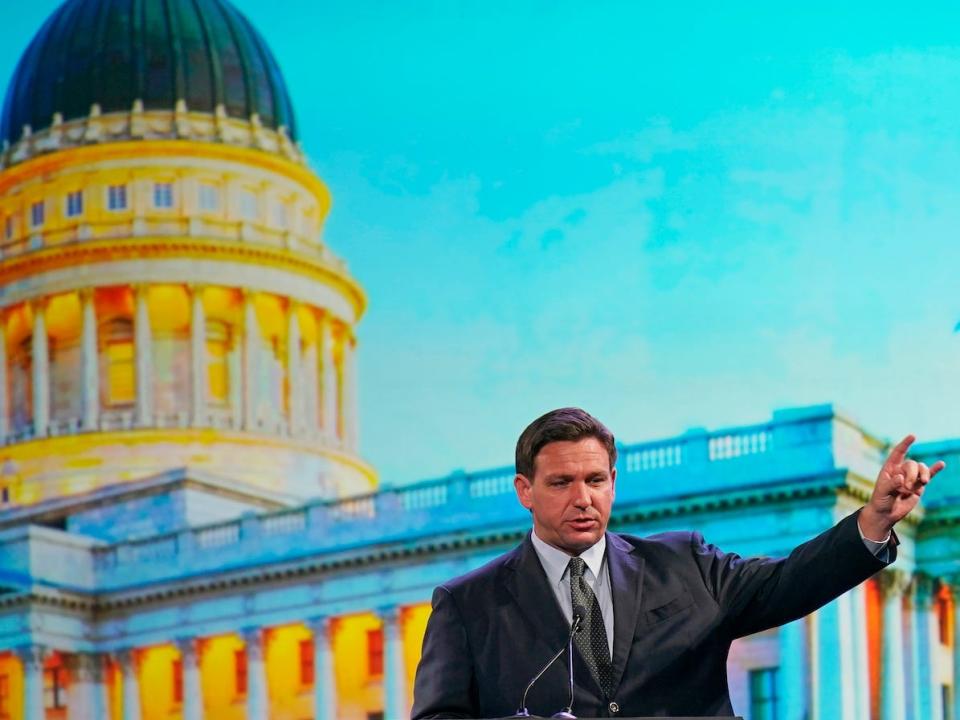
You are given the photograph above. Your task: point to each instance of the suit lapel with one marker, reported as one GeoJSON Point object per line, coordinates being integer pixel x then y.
{"type": "Point", "coordinates": [626, 581]}
{"type": "Point", "coordinates": [527, 583]}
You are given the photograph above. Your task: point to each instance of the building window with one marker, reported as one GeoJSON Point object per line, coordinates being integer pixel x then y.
{"type": "Point", "coordinates": [946, 697]}
{"type": "Point", "coordinates": [163, 195]}
{"type": "Point", "coordinates": [375, 715]}
{"type": "Point", "coordinates": [8, 227]}
{"type": "Point", "coordinates": [75, 203]}
{"type": "Point", "coordinates": [218, 363]}
{"type": "Point", "coordinates": [306, 663]}
{"type": "Point", "coordinates": [209, 197]}
{"type": "Point", "coordinates": [4, 495]}
{"type": "Point", "coordinates": [944, 616]}
{"type": "Point", "coordinates": [763, 694]}
{"type": "Point", "coordinates": [177, 681]}
{"type": "Point", "coordinates": [248, 205]}
{"type": "Point", "coordinates": [36, 214]}
{"type": "Point", "coordinates": [4, 696]}
{"type": "Point", "coordinates": [53, 690]}
{"type": "Point", "coordinates": [375, 652]}
{"type": "Point", "coordinates": [240, 671]}
{"type": "Point", "coordinates": [117, 197]}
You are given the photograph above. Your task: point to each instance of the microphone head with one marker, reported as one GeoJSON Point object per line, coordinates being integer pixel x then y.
{"type": "Point", "coordinates": [579, 613]}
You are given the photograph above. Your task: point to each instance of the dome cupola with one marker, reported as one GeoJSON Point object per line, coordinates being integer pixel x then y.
{"type": "Point", "coordinates": [170, 60]}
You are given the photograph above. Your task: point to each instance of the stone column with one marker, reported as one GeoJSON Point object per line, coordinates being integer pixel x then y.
{"type": "Point", "coordinates": [330, 380]}
{"type": "Point", "coordinates": [927, 700]}
{"type": "Point", "coordinates": [324, 685]}
{"type": "Point", "coordinates": [833, 695]}
{"type": "Point", "coordinates": [4, 398]}
{"type": "Point", "coordinates": [251, 346]}
{"type": "Point", "coordinates": [351, 418]}
{"type": "Point", "coordinates": [893, 704]}
{"type": "Point", "coordinates": [192, 689]}
{"type": "Point", "coordinates": [792, 676]}
{"type": "Point", "coordinates": [295, 389]}
{"type": "Point", "coordinates": [394, 673]}
{"type": "Point", "coordinates": [311, 381]}
{"type": "Point", "coordinates": [143, 347]}
{"type": "Point", "coordinates": [87, 692]}
{"type": "Point", "coordinates": [861, 651]}
{"type": "Point", "coordinates": [258, 704]}
{"type": "Point", "coordinates": [198, 356]}
{"type": "Point", "coordinates": [32, 658]}
{"type": "Point", "coordinates": [129, 662]}
{"type": "Point", "coordinates": [40, 357]}
{"type": "Point", "coordinates": [90, 362]}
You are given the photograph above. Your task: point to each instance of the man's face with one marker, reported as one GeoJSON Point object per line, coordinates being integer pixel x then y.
{"type": "Point", "coordinates": [570, 494]}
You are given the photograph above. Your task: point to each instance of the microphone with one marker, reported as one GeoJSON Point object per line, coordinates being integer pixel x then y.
{"type": "Point", "coordinates": [567, 712]}
{"type": "Point", "coordinates": [522, 712]}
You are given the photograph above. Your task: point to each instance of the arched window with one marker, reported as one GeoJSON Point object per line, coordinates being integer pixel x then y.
{"type": "Point", "coordinates": [118, 363]}
{"type": "Point", "coordinates": [218, 362]}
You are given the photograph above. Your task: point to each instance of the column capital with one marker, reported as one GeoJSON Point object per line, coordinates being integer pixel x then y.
{"type": "Point", "coordinates": [190, 649]}
{"type": "Point", "coordinates": [322, 625]}
{"type": "Point", "coordinates": [86, 294]}
{"type": "Point", "coordinates": [893, 583]}
{"type": "Point", "coordinates": [139, 288]}
{"type": "Point", "coordinates": [38, 304]}
{"type": "Point", "coordinates": [389, 613]}
{"type": "Point", "coordinates": [85, 667]}
{"type": "Point", "coordinates": [253, 640]}
{"type": "Point", "coordinates": [195, 288]}
{"type": "Point", "coordinates": [924, 590]}
{"type": "Point", "coordinates": [32, 656]}
{"type": "Point", "coordinates": [128, 659]}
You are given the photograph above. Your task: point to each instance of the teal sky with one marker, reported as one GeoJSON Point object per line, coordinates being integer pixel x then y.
{"type": "Point", "coordinates": [674, 216]}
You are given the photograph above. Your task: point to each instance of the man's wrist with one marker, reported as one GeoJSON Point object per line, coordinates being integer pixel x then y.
{"type": "Point", "coordinates": [873, 526]}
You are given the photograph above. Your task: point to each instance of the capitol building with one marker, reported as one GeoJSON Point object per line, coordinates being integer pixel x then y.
{"type": "Point", "coordinates": [187, 528]}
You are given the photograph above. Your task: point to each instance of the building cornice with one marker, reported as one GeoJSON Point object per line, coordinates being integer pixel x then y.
{"type": "Point", "coordinates": [144, 249]}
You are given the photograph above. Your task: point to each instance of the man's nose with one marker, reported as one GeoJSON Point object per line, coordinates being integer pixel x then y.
{"type": "Point", "coordinates": [581, 497]}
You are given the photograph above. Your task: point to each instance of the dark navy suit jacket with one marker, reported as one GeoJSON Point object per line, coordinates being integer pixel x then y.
{"type": "Point", "coordinates": [678, 603]}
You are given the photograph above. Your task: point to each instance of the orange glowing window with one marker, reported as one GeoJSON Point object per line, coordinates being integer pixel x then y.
{"type": "Point", "coordinates": [306, 663]}
{"type": "Point", "coordinates": [177, 681]}
{"type": "Point", "coordinates": [54, 692]}
{"type": "Point", "coordinates": [218, 363]}
{"type": "Point", "coordinates": [945, 616]}
{"type": "Point", "coordinates": [121, 386]}
{"type": "Point", "coordinates": [375, 652]}
{"type": "Point", "coordinates": [240, 671]}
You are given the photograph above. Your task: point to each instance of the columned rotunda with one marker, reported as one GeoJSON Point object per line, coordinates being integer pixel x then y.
{"type": "Point", "coordinates": [167, 299]}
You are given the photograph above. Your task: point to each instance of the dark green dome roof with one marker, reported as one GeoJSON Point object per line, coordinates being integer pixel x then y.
{"type": "Point", "coordinates": [113, 52]}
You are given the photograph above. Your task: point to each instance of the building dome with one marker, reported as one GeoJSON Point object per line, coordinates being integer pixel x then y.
{"type": "Point", "coordinates": [113, 55]}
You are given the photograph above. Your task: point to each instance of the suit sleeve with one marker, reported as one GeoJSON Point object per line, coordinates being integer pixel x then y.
{"type": "Point", "coordinates": [445, 684]}
{"type": "Point", "coordinates": [755, 594]}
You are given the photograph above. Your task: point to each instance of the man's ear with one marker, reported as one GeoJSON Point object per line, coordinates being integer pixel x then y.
{"type": "Point", "coordinates": [524, 488]}
{"type": "Point", "coordinates": [613, 482]}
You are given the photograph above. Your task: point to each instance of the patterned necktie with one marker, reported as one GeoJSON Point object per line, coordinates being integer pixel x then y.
{"type": "Point", "coordinates": [591, 641]}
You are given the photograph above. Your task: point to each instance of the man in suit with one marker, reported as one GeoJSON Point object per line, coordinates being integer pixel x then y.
{"type": "Point", "coordinates": [656, 615]}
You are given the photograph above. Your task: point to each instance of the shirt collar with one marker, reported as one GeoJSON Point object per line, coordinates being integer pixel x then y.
{"type": "Point", "coordinates": [555, 561]}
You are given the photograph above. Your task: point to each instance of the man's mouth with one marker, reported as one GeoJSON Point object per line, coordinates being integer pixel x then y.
{"type": "Point", "coordinates": [583, 523]}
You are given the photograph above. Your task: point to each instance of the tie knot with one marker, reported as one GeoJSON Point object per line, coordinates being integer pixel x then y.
{"type": "Point", "coordinates": [577, 566]}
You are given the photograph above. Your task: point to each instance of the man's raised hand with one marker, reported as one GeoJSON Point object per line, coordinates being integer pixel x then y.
{"type": "Point", "coordinates": [899, 486]}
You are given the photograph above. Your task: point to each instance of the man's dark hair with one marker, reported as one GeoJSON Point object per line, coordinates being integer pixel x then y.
{"type": "Point", "coordinates": [569, 424]}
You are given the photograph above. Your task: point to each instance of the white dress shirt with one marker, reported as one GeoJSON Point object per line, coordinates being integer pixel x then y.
{"type": "Point", "coordinates": [597, 575]}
